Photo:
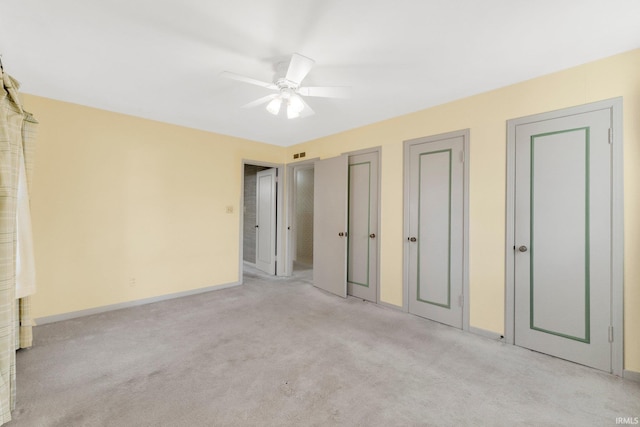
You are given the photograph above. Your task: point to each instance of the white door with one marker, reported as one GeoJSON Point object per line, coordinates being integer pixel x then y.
{"type": "Point", "coordinates": [330, 225]}
{"type": "Point", "coordinates": [562, 241]}
{"type": "Point", "coordinates": [266, 221]}
{"type": "Point", "coordinates": [435, 196]}
{"type": "Point", "coordinates": [362, 258]}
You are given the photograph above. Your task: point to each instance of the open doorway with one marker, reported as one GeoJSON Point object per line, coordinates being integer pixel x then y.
{"type": "Point", "coordinates": [301, 183]}
{"type": "Point", "coordinates": [249, 235]}
{"type": "Point", "coordinates": [303, 221]}
{"type": "Point", "coordinates": [261, 217]}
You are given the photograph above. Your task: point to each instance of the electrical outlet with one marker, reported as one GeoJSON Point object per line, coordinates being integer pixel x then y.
{"type": "Point", "coordinates": [229, 209]}
{"type": "Point", "coordinates": [295, 156]}
{"type": "Point", "coordinates": [303, 154]}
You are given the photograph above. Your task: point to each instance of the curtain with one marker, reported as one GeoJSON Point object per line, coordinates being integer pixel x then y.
{"type": "Point", "coordinates": [17, 130]}
{"type": "Point", "coordinates": [26, 285]}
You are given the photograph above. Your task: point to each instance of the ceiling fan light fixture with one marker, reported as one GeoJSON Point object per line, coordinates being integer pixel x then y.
{"type": "Point", "coordinates": [292, 113]}
{"type": "Point", "coordinates": [288, 85]}
{"type": "Point", "coordinates": [274, 106]}
{"type": "Point", "coordinates": [295, 103]}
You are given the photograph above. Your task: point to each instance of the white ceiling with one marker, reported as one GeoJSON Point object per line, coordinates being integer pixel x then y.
{"type": "Point", "coordinates": [161, 59]}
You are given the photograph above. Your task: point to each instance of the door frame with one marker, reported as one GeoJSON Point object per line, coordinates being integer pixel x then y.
{"type": "Point", "coordinates": [280, 268]}
{"type": "Point", "coordinates": [465, 134]}
{"type": "Point", "coordinates": [617, 221]}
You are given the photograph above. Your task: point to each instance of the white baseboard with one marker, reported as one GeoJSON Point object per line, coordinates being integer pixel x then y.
{"type": "Point", "coordinates": [112, 307]}
{"type": "Point", "coordinates": [487, 334]}
{"type": "Point", "coordinates": [631, 375]}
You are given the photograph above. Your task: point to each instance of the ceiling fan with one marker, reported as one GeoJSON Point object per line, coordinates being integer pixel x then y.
{"type": "Point", "coordinates": [287, 82]}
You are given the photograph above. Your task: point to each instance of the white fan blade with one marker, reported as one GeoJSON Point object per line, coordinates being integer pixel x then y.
{"type": "Point", "coordinates": [299, 67]}
{"type": "Point", "coordinates": [343, 92]}
{"type": "Point", "coordinates": [241, 78]}
{"type": "Point", "coordinates": [307, 111]}
{"type": "Point", "coordinates": [260, 101]}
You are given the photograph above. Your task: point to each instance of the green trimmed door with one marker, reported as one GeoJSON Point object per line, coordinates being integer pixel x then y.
{"type": "Point", "coordinates": [362, 252]}
{"type": "Point", "coordinates": [435, 226]}
{"type": "Point", "coordinates": [563, 237]}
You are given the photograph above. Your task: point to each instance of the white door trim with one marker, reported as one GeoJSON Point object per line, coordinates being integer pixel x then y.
{"type": "Point", "coordinates": [617, 217]}
{"type": "Point", "coordinates": [465, 243]}
{"type": "Point", "coordinates": [280, 229]}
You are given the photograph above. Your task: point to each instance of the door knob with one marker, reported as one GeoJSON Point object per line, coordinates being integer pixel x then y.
{"type": "Point", "coordinates": [372, 235]}
{"type": "Point", "coordinates": [412, 239]}
{"type": "Point", "coordinates": [257, 226]}
{"type": "Point", "coordinates": [522, 248]}
{"type": "Point", "coordinates": [341, 234]}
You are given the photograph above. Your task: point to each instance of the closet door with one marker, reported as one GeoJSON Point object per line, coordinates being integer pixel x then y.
{"type": "Point", "coordinates": [435, 207]}
{"type": "Point", "coordinates": [563, 195]}
{"type": "Point", "coordinates": [362, 260]}
{"type": "Point", "coordinates": [330, 225]}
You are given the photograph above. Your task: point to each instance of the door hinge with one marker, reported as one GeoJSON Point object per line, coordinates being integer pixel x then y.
{"type": "Point", "coordinates": [610, 136]}
{"type": "Point", "coordinates": [610, 333]}
{"type": "Point", "coordinates": [461, 300]}
{"type": "Point", "coordinates": [462, 156]}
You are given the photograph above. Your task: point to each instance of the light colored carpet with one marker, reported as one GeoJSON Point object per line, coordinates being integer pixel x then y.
{"type": "Point", "coordinates": [279, 352]}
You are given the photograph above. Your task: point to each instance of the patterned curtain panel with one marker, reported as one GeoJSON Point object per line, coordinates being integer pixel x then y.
{"type": "Point", "coordinates": [25, 321]}
{"type": "Point", "coordinates": [15, 124]}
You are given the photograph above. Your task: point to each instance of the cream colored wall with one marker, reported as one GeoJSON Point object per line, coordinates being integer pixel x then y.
{"type": "Point", "coordinates": [125, 208]}
{"type": "Point", "coordinates": [486, 115]}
